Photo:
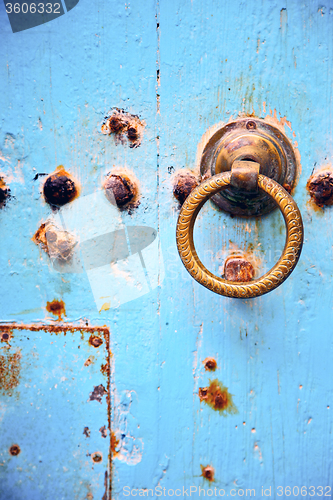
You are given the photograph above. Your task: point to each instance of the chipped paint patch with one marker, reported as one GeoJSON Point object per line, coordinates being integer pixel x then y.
{"type": "Point", "coordinates": [129, 446]}
{"type": "Point", "coordinates": [98, 393]}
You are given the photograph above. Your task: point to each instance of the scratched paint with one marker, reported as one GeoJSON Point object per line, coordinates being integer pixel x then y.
{"type": "Point", "coordinates": [184, 68]}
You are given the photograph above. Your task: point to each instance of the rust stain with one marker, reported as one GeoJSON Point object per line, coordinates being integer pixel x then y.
{"type": "Point", "coordinates": [59, 188]}
{"type": "Point", "coordinates": [208, 472]}
{"type": "Point", "coordinates": [183, 185]}
{"type": "Point", "coordinates": [97, 457]}
{"type": "Point", "coordinates": [10, 367]}
{"type": "Point", "coordinates": [237, 268]}
{"type": "Point", "coordinates": [320, 187]}
{"type": "Point", "coordinates": [4, 193]}
{"type": "Point", "coordinates": [86, 432]}
{"type": "Point", "coordinates": [124, 125]}
{"type": "Point", "coordinates": [88, 361]}
{"type": "Point", "coordinates": [217, 397]}
{"type": "Point", "coordinates": [114, 444]}
{"type": "Point", "coordinates": [15, 450]}
{"type": "Point", "coordinates": [98, 393]}
{"type": "Point", "coordinates": [95, 341]}
{"type": "Point", "coordinates": [210, 364]}
{"type": "Point", "coordinates": [105, 369]}
{"type": "Point", "coordinates": [57, 308]}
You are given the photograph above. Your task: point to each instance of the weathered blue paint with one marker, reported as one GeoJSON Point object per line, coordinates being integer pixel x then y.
{"type": "Point", "coordinates": [182, 67]}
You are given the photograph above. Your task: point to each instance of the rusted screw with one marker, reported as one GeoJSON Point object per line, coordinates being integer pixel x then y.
{"type": "Point", "coordinates": [208, 473]}
{"type": "Point", "coordinates": [95, 341]}
{"type": "Point", "coordinates": [119, 188]}
{"type": "Point", "coordinates": [59, 188]}
{"type": "Point", "coordinates": [5, 336]}
{"type": "Point", "coordinates": [320, 187]}
{"type": "Point", "coordinates": [97, 457]}
{"type": "Point", "coordinates": [132, 134]}
{"type": "Point", "coordinates": [237, 268]}
{"type": "Point", "coordinates": [15, 450]}
{"type": "Point", "coordinates": [184, 185]}
{"type": "Point", "coordinates": [203, 392]}
{"type": "Point", "coordinates": [251, 125]}
{"type": "Point", "coordinates": [210, 364]}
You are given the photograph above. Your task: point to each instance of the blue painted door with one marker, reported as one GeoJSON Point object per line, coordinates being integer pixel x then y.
{"type": "Point", "coordinates": [105, 339]}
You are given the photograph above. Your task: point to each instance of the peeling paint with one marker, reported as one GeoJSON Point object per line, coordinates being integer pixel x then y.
{"type": "Point", "coordinates": [98, 393]}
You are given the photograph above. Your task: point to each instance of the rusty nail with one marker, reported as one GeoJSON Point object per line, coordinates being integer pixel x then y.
{"type": "Point", "coordinates": [237, 268]}
{"type": "Point", "coordinates": [251, 125]}
{"type": "Point", "coordinates": [5, 336]}
{"type": "Point", "coordinates": [210, 364]}
{"type": "Point", "coordinates": [203, 392]}
{"type": "Point", "coordinates": [320, 187]}
{"type": "Point", "coordinates": [97, 457]}
{"type": "Point", "coordinates": [4, 192]}
{"type": "Point", "coordinates": [15, 450]}
{"type": "Point", "coordinates": [184, 185]}
{"type": "Point", "coordinates": [208, 472]}
{"type": "Point", "coordinates": [59, 188]}
{"type": "Point", "coordinates": [119, 188]}
{"type": "Point", "coordinates": [95, 341]}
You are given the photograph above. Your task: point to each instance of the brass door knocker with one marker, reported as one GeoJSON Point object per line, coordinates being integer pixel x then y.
{"type": "Point", "coordinates": [245, 177]}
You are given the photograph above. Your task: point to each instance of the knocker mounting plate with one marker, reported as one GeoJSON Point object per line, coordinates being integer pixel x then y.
{"type": "Point", "coordinates": [255, 140]}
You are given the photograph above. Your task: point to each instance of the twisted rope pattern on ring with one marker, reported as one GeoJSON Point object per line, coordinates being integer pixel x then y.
{"type": "Point", "coordinates": [270, 280]}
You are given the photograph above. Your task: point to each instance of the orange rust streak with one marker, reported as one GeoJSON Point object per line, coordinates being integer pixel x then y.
{"type": "Point", "coordinates": [114, 444]}
{"type": "Point", "coordinates": [60, 328]}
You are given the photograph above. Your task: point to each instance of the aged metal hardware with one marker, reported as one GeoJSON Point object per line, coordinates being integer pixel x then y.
{"type": "Point", "coordinates": [293, 220]}
{"type": "Point", "coordinates": [255, 140]}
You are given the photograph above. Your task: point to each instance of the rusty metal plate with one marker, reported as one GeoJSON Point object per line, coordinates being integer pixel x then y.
{"type": "Point", "coordinates": [54, 413]}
